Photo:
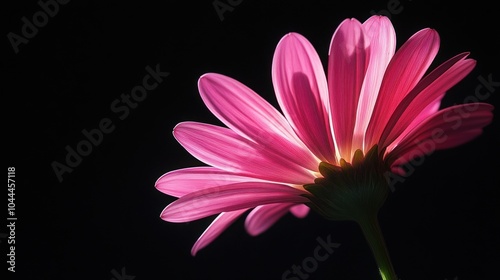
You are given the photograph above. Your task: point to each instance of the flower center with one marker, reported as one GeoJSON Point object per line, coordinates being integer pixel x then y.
{"type": "Point", "coordinates": [351, 191]}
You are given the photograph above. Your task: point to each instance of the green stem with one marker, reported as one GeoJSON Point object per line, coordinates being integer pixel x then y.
{"type": "Point", "coordinates": [373, 235]}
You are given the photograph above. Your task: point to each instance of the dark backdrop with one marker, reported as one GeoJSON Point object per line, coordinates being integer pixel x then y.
{"type": "Point", "coordinates": [101, 221]}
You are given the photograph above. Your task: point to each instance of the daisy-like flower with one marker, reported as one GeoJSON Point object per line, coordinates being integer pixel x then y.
{"type": "Point", "coordinates": [336, 139]}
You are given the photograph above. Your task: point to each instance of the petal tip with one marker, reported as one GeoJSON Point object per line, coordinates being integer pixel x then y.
{"type": "Point", "coordinates": [290, 37]}
{"type": "Point", "coordinates": [194, 250]}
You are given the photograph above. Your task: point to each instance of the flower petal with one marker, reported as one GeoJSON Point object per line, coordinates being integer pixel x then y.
{"type": "Point", "coordinates": [404, 71]}
{"type": "Point", "coordinates": [424, 96]}
{"type": "Point", "coordinates": [382, 37]}
{"type": "Point", "coordinates": [252, 117]}
{"type": "Point", "coordinates": [300, 210]}
{"type": "Point", "coordinates": [302, 92]}
{"type": "Point", "coordinates": [264, 216]}
{"type": "Point", "coordinates": [445, 129]}
{"type": "Point", "coordinates": [347, 63]}
{"type": "Point", "coordinates": [183, 181]}
{"type": "Point", "coordinates": [222, 148]}
{"type": "Point", "coordinates": [219, 225]}
{"type": "Point", "coordinates": [425, 148]}
{"type": "Point", "coordinates": [207, 202]}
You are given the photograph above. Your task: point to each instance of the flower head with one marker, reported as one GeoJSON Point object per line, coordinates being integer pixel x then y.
{"type": "Point", "coordinates": [336, 136]}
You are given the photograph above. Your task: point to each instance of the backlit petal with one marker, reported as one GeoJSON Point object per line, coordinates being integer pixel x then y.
{"type": "Point", "coordinates": [382, 37]}
{"type": "Point", "coordinates": [300, 85]}
{"type": "Point", "coordinates": [424, 96]}
{"type": "Point", "coordinates": [300, 210]}
{"type": "Point", "coordinates": [404, 71]}
{"type": "Point", "coordinates": [445, 129]}
{"type": "Point", "coordinates": [347, 64]}
{"type": "Point", "coordinates": [252, 117]}
{"type": "Point", "coordinates": [183, 181]}
{"type": "Point", "coordinates": [263, 217]}
{"type": "Point", "coordinates": [222, 148]}
{"type": "Point", "coordinates": [221, 223]}
{"type": "Point", "coordinates": [207, 202]}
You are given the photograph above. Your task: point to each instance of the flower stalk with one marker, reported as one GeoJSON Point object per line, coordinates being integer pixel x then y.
{"type": "Point", "coordinates": [375, 239]}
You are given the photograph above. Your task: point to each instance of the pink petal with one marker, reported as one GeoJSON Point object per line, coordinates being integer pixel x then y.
{"type": "Point", "coordinates": [382, 37]}
{"type": "Point", "coordinates": [302, 92]}
{"type": "Point", "coordinates": [183, 181]}
{"type": "Point", "coordinates": [207, 202]}
{"type": "Point", "coordinates": [222, 148]}
{"type": "Point", "coordinates": [429, 110]}
{"type": "Point", "coordinates": [422, 100]}
{"type": "Point", "coordinates": [404, 71]}
{"type": "Point", "coordinates": [264, 216]}
{"type": "Point", "coordinates": [427, 147]}
{"type": "Point", "coordinates": [398, 170]}
{"type": "Point", "coordinates": [446, 129]}
{"type": "Point", "coordinates": [252, 117]}
{"type": "Point", "coordinates": [300, 210]}
{"type": "Point", "coordinates": [219, 225]}
{"type": "Point", "coordinates": [348, 60]}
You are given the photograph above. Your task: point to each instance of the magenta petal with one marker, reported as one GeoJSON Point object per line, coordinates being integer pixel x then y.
{"type": "Point", "coordinates": [422, 100]}
{"type": "Point", "coordinates": [445, 129]}
{"type": "Point", "coordinates": [219, 225]}
{"type": "Point", "coordinates": [382, 37]}
{"type": "Point", "coordinates": [302, 92]}
{"type": "Point", "coordinates": [404, 71]}
{"type": "Point", "coordinates": [348, 60]}
{"type": "Point", "coordinates": [426, 147]}
{"type": "Point", "coordinates": [222, 148]}
{"type": "Point", "coordinates": [207, 202]}
{"type": "Point", "coordinates": [398, 170]}
{"type": "Point", "coordinates": [263, 217]}
{"type": "Point", "coordinates": [183, 181]}
{"type": "Point", "coordinates": [300, 210]}
{"type": "Point", "coordinates": [252, 117]}
{"type": "Point", "coordinates": [431, 108]}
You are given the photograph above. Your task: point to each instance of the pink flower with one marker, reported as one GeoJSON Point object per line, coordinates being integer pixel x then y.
{"type": "Point", "coordinates": [373, 108]}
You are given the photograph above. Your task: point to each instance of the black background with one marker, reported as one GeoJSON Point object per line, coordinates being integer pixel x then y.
{"type": "Point", "coordinates": [441, 223]}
